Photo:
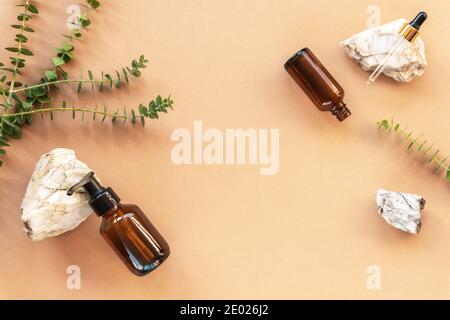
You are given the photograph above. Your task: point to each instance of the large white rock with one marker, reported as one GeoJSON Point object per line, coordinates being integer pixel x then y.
{"type": "Point", "coordinates": [401, 210]}
{"type": "Point", "coordinates": [371, 46]}
{"type": "Point", "coordinates": [46, 209]}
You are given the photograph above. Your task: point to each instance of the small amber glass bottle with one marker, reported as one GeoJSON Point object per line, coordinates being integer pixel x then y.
{"type": "Point", "coordinates": [125, 228]}
{"type": "Point", "coordinates": [318, 84]}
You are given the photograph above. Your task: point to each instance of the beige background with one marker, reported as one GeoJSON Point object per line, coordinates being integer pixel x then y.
{"type": "Point", "coordinates": [309, 232]}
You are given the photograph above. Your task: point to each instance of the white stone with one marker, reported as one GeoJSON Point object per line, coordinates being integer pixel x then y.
{"type": "Point", "coordinates": [46, 209]}
{"type": "Point", "coordinates": [371, 46]}
{"type": "Point", "coordinates": [401, 210]}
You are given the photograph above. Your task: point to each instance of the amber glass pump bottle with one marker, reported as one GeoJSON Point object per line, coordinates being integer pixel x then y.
{"type": "Point", "coordinates": [125, 227]}
{"type": "Point", "coordinates": [318, 84]}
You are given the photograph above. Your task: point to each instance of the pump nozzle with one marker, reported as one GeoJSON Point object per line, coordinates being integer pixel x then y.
{"type": "Point", "coordinates": [88, 182]}
{"type": "Point", "coordinates": [101, 199]}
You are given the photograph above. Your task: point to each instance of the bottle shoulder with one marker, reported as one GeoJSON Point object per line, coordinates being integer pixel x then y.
{"type": "Point", "coordinates": [130, 208]}
{"type": "Point", "coordinates": [123, 212]}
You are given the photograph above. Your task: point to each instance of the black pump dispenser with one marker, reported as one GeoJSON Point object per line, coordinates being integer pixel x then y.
{"type": "Point", "coordinates": [102, 199]}
{"type": "Point", "coordinates": [125, 228]}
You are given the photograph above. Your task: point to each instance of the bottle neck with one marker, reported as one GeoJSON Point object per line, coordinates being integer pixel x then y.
{"type": "Point", "coordinates": [409, 32]}
{"type": "Point", "coordinates": [104, 202]}
{"type": "Point", "coordinates": [116, 211]}
{"type": "Point", "coordinates": [340, 111]}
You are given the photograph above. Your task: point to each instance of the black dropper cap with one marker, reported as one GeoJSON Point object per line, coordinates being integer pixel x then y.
{"type": "Point", "coordinates": [417, 22]}
{"type": "Point", "coordinates": [102, 199]}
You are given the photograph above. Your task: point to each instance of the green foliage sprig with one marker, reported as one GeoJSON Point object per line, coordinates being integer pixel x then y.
{"type": "Point", "coordinates": [64, 54]}
{"type": "Point", "coordinates": [22, 101]}
{"type": "Point", "coordinates": [151, 111]}
{"type": "Point", "coordinates": [419, 144]}
{"type": "Point", "coordinates": [20, 50]}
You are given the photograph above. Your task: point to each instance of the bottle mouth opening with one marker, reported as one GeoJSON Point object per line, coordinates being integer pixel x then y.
{"type": "Point", "coordinates": [294, 57]}
{"type": "Point", "coordinates": [341, 112]}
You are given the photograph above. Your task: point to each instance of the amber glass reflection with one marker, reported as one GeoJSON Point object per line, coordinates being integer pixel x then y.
{"type": "Point", "coordinates": [134, 239]}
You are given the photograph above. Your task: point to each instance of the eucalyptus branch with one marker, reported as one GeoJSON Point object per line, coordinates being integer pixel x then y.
{"type": "Point", "coordinates": [152, 111]}
{"type": "Point", "coordinates": [16, 61]}
{"type": "Point", "coordinates": [30, 100]}
{"type": "Point", "coordinates": [65, 53]}
{"type": "Point", "coordinates": [418, 144]}
{"type": "Point", "coordinates": [51, 79]}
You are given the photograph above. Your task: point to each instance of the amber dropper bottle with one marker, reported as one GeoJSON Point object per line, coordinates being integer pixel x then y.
{"type": "Point", "coordinates": [408, 32]}
{"type": "Point", "coordinates": [125, 228]}
{"type": "Point", "coordinates": [318, 84]}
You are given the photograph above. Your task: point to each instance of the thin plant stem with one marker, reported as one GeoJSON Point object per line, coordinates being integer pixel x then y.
{"type": "Point", "coordinates": [16, 68]}
{"type": "Point", "coordinates": [416, 143]}
{"type": "Point", "coordinates": [59, 81]}
{"type": "Point", "coordinates": [73, 109]}
{"type": "Point", "coordinates": [65, 81]}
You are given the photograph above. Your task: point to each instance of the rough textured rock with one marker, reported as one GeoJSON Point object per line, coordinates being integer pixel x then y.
{"type": "Point", "coordinates": [371, 46]}
{"type": "Point", "coordinates": [46, 209]}
{"type": "Point", "coordinates": [401, 210]}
